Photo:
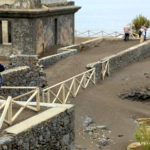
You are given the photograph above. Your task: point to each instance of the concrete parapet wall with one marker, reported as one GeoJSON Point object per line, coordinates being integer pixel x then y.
{"type": "Point", "coordinates": [36, 72]}
{"type": "Point", "coordinates": [57, 3]}
{"type": "Point", "coordinates": [11, 77]}
{"type": "Point", "coordinates": [87, 44]}
{"type": "Point", "coordinates": [23, 60]}
{"type": "Point", "coordinates": [122, 59]}
{"type": "Point", "coordinates": [49, 60]}
{"type": "Point", "coordinates": [52, 129]}
{"type": "Point", "coordinates": [18, 76]}
{"type": "Point", "coordinates": [23, 71]}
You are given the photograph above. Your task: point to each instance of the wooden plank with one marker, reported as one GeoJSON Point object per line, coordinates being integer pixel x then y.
{"type": "Point", "coordinates": [38, 99]}
{"type": "Point", "coordinates": [79, 85]}
{"type": "Point", "coordinates": [48, 96]}
{"type": "Point", "coordinates": [58, 93]}
{"type": "Point", "coordinates": [4, 113]}
{"type": "Point", "coordinates": [9, 113]}
{"type": "Point", "coordinates": [55, 96]}
{"type": "Point", "coordinates": [74, 87]}
{"type": "Point", "coordinates": [21, 109]}
{"type": "Point", "coordinates": [18, 87]}
{"type": "Point", "coordinates": [2, 106]}
{"type": "Point", "coordinates": [89, 79]}
{"type": "Point", "coordinates": [23, 105]}
{"type": "Point", "coordinates": [17, 97]}
{"type": "Point", "coordinates": [5, 31]}
{"type": "Point", "coordinates": [63, 93]}
{"type": "Point", "coordinates": [68, 94]}
{"type": "Point", "coordinates": [58, 84]}
{"type": "Point", "coordinates": [68, 88]}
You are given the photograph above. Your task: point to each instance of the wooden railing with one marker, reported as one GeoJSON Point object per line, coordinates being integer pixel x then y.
{"type": "Point", "coordinates": [60, 92]}
{"type": "Point", "coordinates": [8, 116]}
{"type": "Point", "coordinates": [90, 33]}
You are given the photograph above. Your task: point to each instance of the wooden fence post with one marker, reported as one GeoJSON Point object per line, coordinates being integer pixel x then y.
{"type": "Point", "coordinates": [74, 87]}
{"type": "Point", "coordinates": [38, 98]}
{"type": "Point", "coordinates": [63, 93]}
{"type": "Point", "coordinates": [9, 113]}
{"type": "Point", "coordinates": [4, 113]}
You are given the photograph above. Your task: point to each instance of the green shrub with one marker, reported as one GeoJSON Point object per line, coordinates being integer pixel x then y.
{"type": "Point", "coordinates": [140, 21]}
{"type": "Point", "coordinates": [143, 136]}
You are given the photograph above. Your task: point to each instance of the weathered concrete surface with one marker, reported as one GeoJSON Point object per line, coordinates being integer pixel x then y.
{"type": "Point", "coordinates": [52, 129]}
{"type": "Point", "coordinates": [57, 3]}
{"type": "Point", "coordinates": [104, 106]}
{"type": "Point", "coordinates": [66, 30]}
{"type": "Point", "coordinates": [36, 28]}
{"type": "Point", "coordinates": [91, 43]}
{"type": "Point", "coordinates": [122, 59]}
{"type": "Point", "coordinates": [22, 4]}
{"type": "Point", "coordinates": [49, 60]}
{"type": "Point", "coordinates": [75, 64]}
{"type": "Point", "coordinates": [34, 36]}
{"type": "Point", "coordinates": [45, 35]}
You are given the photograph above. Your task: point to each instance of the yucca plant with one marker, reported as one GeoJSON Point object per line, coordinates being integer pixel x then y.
{"type": "Point", "coordinates": [140, 21]}
{"type": "Point", "coordinates": [143, 136]}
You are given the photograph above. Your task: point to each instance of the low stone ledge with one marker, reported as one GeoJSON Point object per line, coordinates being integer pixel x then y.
{"type": "Point", "coordinates": [122, 59]}
{"type": "Point", "coordinates": [49, 60]}
{"type": "Point", "coordinates": [88, 44]}
{"type": "Point", "coordinates": [60, 4]}
{"type": "Point", "coordinates": [52, 129]}
{"type": "Point", "coordinates": [67, 48]}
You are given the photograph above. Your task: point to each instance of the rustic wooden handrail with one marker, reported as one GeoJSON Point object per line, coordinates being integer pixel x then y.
{"type": "Point", "coordinates": [7, 105]}
{"type": "Point", "coordinates": [59, 93]}
{"type": "Point", "coordinates": [101, 33]}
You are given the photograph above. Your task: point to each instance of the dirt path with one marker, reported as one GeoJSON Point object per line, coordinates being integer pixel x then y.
{"type": "Point", "coordinates": [73, 65]}
{"type": "Point", "coordinates": [103, 105]}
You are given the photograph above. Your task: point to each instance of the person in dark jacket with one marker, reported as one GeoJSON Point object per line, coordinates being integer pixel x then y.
{"type": "Point", "coordinates": [2, 68]}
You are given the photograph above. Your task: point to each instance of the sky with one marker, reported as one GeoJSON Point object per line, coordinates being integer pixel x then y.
{"type": "Point", "coordinates": [110, 15]}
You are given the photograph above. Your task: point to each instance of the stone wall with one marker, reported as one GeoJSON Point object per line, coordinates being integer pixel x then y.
{"type": "Point", "coordinates": [50, 60]}
{"type": "Point", "coordinates": [30, 74]}
{"type": "Point", "coordinates": [122, 59]}
{"type": "Point", "coordinates": [35, 69]}
{"type": "Point", "coordinates": [22, 36]}
{"type": "Point", "coordinates": [37, 35]}
{"type": "Point", "coordinates": [52, 129]}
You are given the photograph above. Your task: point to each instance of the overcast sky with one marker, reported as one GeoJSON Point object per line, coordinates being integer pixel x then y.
{"type": "Point", "coordinates": [109, 14]}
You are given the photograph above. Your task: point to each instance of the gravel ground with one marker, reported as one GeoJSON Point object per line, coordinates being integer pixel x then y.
{"type": "Point", "coordinates": [103, 105]}
{"type": "Point", "coordinates": [75, 64]}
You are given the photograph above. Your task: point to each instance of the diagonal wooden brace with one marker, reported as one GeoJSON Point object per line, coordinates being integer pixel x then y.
{"type": "Point", "coordinates": [105, 69]}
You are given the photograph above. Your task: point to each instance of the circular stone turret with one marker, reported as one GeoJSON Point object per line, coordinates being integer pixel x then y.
{"type": "Point", "coordinates": [20, 4]}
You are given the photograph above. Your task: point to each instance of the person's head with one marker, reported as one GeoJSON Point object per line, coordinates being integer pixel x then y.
{"type": "Point", "coordinates": [142, 27]}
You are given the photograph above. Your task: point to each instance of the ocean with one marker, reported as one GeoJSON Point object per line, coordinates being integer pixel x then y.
{"type": "Point", "coordinates": [108, 15]}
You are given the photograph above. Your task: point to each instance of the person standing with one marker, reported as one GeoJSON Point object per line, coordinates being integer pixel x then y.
{"type": "Point", "coordinates": [145, 28]}
{"type": "Point", "coordinates": [127, 29]}
{"type": "Point", "coordinates": [142, 34]}
{"type": "Point", "coordinates": [2, 68]}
